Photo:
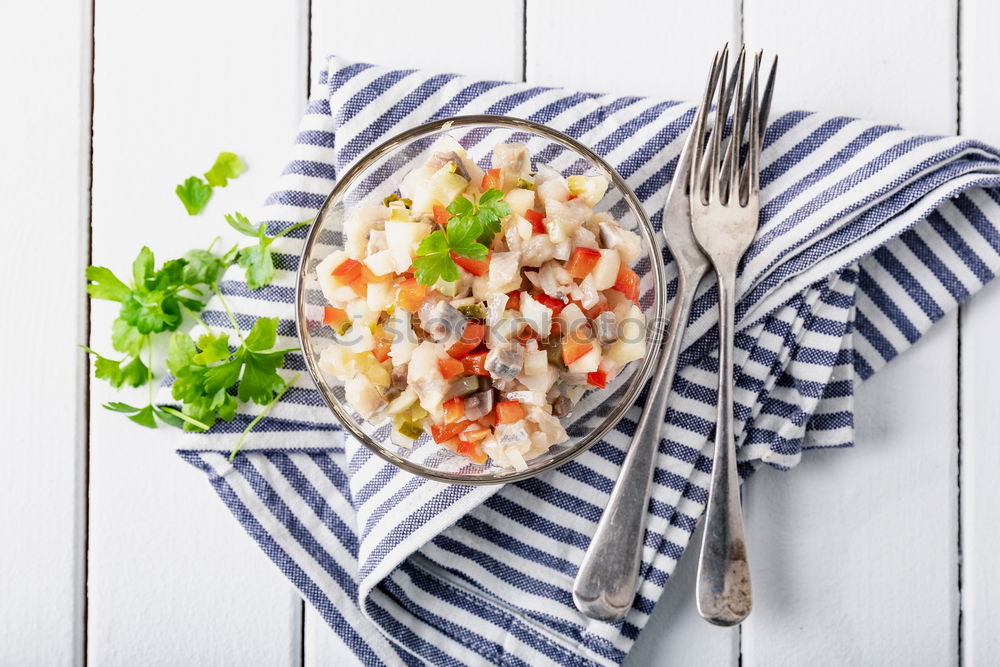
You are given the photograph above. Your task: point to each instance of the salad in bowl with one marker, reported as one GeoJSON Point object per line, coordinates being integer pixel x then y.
{"type": "Point", "coordinates": [478, 302]}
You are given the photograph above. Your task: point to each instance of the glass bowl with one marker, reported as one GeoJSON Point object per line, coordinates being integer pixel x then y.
{"type": "Point", "coordinates": [376, 175]}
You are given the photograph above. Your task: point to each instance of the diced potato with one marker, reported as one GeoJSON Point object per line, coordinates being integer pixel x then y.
{"type": "Point", "coordinates": [520, 200]}
{"type": "Point", "coordinates": [442, 189]}
{"type": "Point", "coordinates": [631, 345]}
{"type": "Point", "coordinates": [588, 188]}
{"type": "Point", "coordinates": [605, 272]}
{"type": "Point", "coordinates": [358, 338]}
{"type": "Point", "coordinates": [364, 396]}
{"type": "Point", "coordinates": [381, 263]}
{"type": "Point", "coordinates": [425, 377]}
{"type": "Point", "coordinates": [379, 296]}
{"type": "Point", "coordinates": [403, 340]}
{"type": "Point", "coordinates": [327, 284]}
{"type": "Point", "coordinates": [589, 362]}
{"type": "Point", "coordinates": [535, 362]}
{"type": "Point", "coordinates": [338, 361]}
{"type": "Point", "coordinates": [404, 237]}
{"type": "Point", "coordinates": [358, 226]}
{"type": "Point", "coordinates": [572, 318]}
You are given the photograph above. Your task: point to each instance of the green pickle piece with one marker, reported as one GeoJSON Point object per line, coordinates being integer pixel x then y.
{"type": "Point", "coordinates": [554, 353]}
{"type": "Point", "coordinates": [391, 198]}
{"type": "Point", "coordinates": [475, 311]}
{"type": "Point", "coordinates": [409, 429]}
{"type": "Point", "coordinates": [525, 185]}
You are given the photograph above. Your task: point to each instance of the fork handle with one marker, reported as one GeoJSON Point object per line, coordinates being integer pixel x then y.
{"type": "Point", "coordinates": [723, 589]}
{"type": "Point", "coordinates": [606, 583]}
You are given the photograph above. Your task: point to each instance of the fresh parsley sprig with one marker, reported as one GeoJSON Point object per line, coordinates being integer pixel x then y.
{"type": "Point", "coordinates": [257, 259]}
{"type": "Point", "coordinates": [211, 375]}
{"type": "Point", "coordinates": [469, 233]}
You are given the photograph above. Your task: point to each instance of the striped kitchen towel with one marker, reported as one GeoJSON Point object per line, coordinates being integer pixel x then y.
{"type": "Point", "coordinates": [868, 235]}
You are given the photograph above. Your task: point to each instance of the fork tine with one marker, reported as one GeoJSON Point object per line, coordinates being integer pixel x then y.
{"type": "Point", "coordinates": [691, 151]}
{"type": "Point", "coordinates": [697, 177]}
{"type": "Point", "coordinates": [732, 89]}
{"type": "Point", "coordinates": [765, 98]}
{"type": "Point", "coordinates": [730, 164]}
{"type": "Point", "coordinates": [710, 166]}
{"type": "Point", "coordinates": [753, 150]}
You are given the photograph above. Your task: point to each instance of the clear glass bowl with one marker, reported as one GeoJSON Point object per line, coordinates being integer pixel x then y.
{"type": "Point", "coordinates": [376, 175]}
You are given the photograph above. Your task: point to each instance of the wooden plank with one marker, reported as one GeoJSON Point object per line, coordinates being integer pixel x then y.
{"type": "Point", "coordinates": [173, 578]}
{"type": "Point", "coordinates": [854, 553]}
{"type": "Point", "coordinates": [45, 134]}
{"type": "Point", "coordinates": [980, 366]}
{"type": "Point", "coordinates": [333, 34]}
{"type": "Point", "coordinates": [675, 40]}
{"type": "Point", "coordinates": [633, 48]}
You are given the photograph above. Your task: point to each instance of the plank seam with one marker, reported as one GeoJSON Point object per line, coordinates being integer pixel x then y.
{"type": "Point", "coordinates": [88, 258]}
{"type": "Point", "coordinates": [958, 359]}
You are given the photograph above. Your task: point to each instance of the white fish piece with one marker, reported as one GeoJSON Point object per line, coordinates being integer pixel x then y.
{"type": "Point", "coordinates": [537, 316]}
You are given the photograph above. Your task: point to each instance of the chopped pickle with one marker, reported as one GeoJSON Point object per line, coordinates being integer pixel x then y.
{"type": "Point", "coordinates": [343, 328]}
{"type": "Point", "coordinates": [391, 198]}
{"type": "Point", "coordinates": [407, 428]}
{"type": "Point", "coordinates": [465, 385]}
{"type": "Point", "coordinates": [475, 311]}
{"type": "Point", "coordinates": [417, 413]}
{"type": "Point", "coordinates": [525, 184]}
{"type": "Point", "coordinates": [555, 356]}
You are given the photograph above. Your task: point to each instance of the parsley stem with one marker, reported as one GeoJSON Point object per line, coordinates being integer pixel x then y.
{"type": "Point", "coordinates": [149, 367]}
{"type": "Point", "coordinates": [267, 408]}
{"type": "Point", "coordinates": [212, 244]}
{"type": "Point", "coordinates": [291, 229]}
{"type": "Point", "coordinates": [229, 313]}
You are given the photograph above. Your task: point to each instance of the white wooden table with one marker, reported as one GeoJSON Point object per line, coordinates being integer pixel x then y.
{"type": "Point", "coordinates": [117, 553]}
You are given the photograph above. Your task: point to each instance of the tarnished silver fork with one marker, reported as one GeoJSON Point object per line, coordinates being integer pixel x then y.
{"type": "Point", "coordinates": [725, 207]}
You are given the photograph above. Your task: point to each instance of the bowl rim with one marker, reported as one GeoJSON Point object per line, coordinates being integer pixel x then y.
{"type": "Point", "coordinates": [654, 330]}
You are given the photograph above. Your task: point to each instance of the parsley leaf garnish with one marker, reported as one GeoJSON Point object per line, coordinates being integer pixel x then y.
{"type": "Point", "coordinates": [469, 233]}
{"type": "Point", "coordinates": [227, 165]}
{"type": "Point", "coordinates": [194, 193]}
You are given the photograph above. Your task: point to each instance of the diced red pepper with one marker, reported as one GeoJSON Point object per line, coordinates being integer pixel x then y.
{"type": "Point", "coordinates": [509, 412]}
{"type": "Point", "coordinates": [450, 368]}
{"type": "Point", "coordinates": [454, 410]}
{"type": "Point", "coordinates": [347, 271]}
{"type": "Point", "coordinates": [410, 294]}
{"type": "Point", "coordinates": [513, 300]}
{"type": "Point", "coordinates": [597, 379]}
{"type": "Point", "coordinates": [381, 349]}
{"type": "Point", "coordinates": [475, 364]}
{"type": "Point", "coordinates": [572, 197]}
{"type": "Point", "coordinates": [335, 317]}
{"type": "Point", "coordinates": [552, 303]}
{"type": "Point", "coordinates": [475, 434]}
{"type": "Point", "coordinates": [491, 180]}
{"type": "Point", "coordinates": [592, 313]}
{"type": "Point", "coordinates": [477, 267]}
{"type": "Point", "coordinates": [582, 262]}
{"type": "Point", "coordinates": [489, 420]}
{"type": "Point", "coordinates": [628, 283]}
{"type": "Point", "coordinates": [470, 340]}
{"type": "Point", "coordinates": [472, 451]}
{"type": "Point", "coordinates": [536, 219]}
{"type": "Point", "coordinates": [444, 432]}
{"type": "Point", "coordinates": [441, 215]}
{"type": "Point", "coordinates": [526, 334]}
{"type": "Point", "coordinates": [571, 351]}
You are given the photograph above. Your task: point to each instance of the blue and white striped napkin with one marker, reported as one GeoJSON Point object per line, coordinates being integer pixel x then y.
{"type": "Point", "coordinates": [868, 235]}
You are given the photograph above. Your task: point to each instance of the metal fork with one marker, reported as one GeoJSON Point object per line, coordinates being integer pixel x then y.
{"type": "Point", "coordinates": [725, 207]}
{"type": "Point", "coordinates": [608, 577]}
